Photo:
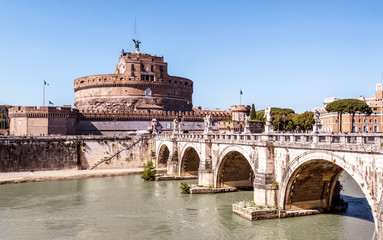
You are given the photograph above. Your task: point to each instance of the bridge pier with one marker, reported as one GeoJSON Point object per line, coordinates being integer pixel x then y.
{"type": "Point", "coordinates": [265, 191]}
{"type": "Point", "coordinates": [206, 177]}
{"type": "Point", "coordinates": [172, 167]}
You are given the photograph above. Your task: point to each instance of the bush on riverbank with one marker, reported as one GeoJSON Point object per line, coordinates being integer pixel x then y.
{"type": "Point", "coordinates": [185, 188]}
{"type": "Point", "coordinates": [149, 171]}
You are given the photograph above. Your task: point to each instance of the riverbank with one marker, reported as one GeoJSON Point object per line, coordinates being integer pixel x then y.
{"type": "Point", "coordinates": [43, 176]}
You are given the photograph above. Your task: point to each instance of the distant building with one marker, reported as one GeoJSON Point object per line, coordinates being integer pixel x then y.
{"type": "Point", "coordinates": [237, 122]}
{"type": "Point", "coordinates": [362, 122]}
{"type": "Point", "coordinates": [33, 121]}
{"type": "Point", "coordinates": [139, 91]}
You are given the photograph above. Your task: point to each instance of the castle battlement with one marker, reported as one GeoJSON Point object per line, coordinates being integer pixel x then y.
{"type": "Point", "coordinates": [159, 115]}
{"type": "Point", "coordinates": [43, 111]}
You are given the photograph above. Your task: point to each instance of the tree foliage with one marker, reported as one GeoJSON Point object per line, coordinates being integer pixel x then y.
{"type": "Point", "coordinates": [253, 114]}
{"type": "Point", "coordinates": [350, 106]}
{"type": "Point", "coordinates": [149, 171]}
{"type": "Point", "coordinates": [285, 119]}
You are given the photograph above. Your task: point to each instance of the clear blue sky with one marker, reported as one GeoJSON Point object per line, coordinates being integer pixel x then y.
{"type": "Point", "coordinates": [280, 53]}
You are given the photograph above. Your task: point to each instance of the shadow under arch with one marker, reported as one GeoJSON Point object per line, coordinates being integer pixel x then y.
{"type": "Point", "coordinates": [190, 162]}
{"type": "Point", "coordinates": [310, 179]}
{"type": "Point", "coordinates": [163, 156]}
{"type": "Point", "coordinates": [234, 170]}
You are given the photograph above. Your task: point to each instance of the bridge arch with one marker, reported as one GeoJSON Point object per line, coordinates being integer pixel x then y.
{"type": "Point", "coordinates": [234, 169]}
{"type": "Point", "coordinates": [163, 153]}
{"type": "Point", "coordinates": [317, 172]}
{"type": "Point", "coordinates": [190, 160]}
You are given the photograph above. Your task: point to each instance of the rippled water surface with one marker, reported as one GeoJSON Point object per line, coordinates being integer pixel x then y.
{"type": "Point", "coordinates": [127, 208]}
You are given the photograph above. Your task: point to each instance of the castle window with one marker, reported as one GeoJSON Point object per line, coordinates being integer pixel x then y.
{"type": "Point", "coordinates": [132, 67]}
{"type": "Point", "coordinates": [170, 81]}
{"type": "Point", "coordinates": [376, 120]}
{"type": "Point", "coordinates": [142, 67]}
{"type": "Point", "coordinates": [147, 77]}
{"type": "Point", "coordinates": [186, 83]}
{"type": "Point", "coordinates": [132, 73]}
{"type": "Point", "coordinates": [161, 69]}
{"type": "Point", "coordinates": [151, 68]}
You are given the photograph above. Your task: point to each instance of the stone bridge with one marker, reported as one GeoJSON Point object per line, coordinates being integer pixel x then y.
{"type": "Point", "coordinates": [292, 171]}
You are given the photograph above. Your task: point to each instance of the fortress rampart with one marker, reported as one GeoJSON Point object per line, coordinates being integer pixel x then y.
{"type": "Point", "coordinates": [45, 120]}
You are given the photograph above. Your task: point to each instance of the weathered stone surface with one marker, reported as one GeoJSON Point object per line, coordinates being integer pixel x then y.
{"type": "Point", "coordinates": [254, 213]}
{"type": "Point", "coordinates": [292, 171]}
{"type": "Point", "coordinates": [57, 153]}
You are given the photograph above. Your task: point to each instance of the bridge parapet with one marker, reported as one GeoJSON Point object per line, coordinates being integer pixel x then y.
{"type": "Point", "coordinates": [349, 142]}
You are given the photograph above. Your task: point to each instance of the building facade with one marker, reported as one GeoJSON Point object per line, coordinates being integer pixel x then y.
{"type": "Point", "coordinates": [363, 123]}
{"type": "Point", "coordinates": [43, 121]}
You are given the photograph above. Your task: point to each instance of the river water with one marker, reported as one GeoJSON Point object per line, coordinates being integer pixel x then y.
{"type": "Point", "coordinates": [126, 207]}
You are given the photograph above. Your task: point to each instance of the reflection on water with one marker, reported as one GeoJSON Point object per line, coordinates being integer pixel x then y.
{"type": "Point", "coordinates": [128, 208]}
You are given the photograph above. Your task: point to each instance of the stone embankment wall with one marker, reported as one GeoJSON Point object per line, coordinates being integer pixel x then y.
{"type": "Point", "coordinates": [101, 153]}
{"type": "Point", "coordinates": [29, 154]}
{"type": "Point", "coordinates": [78, 152]}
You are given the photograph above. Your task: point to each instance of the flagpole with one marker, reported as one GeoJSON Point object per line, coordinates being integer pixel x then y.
{"type": "Point", "coordinates": [44, 93]}
{"type": "Point", "coordinates": [240, 97]}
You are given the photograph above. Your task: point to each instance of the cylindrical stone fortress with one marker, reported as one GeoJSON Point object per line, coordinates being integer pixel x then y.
{"type": "Point", "coordinates": [140, 81]}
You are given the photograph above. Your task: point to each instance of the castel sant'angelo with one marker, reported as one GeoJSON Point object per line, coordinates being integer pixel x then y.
{"type": "Point", "coordinates": [138, 94]}
{"type": "Point", "coordinates": [140, 82]}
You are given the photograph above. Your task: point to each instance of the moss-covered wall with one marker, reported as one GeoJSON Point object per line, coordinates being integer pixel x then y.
{"type": "Point", "coordinates": [29, 154]}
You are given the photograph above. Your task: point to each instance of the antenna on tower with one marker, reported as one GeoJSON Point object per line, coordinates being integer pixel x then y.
{"type": "Point", "coordinates": [136, 42]}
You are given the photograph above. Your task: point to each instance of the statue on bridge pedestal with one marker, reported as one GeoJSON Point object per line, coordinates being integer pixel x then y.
{"type": "Point", "coordinates": [175, 126]}
{"type": "Point", "coordinates": [154, 126]}
{"type": "Point", "coordinates": [268, 124]}
{"type": "Point", "coordinates": [317, 124]}
{"type": "Point", "coordinates": [247, 125]}
{"type": "Point", "coordinates": [207, 122]}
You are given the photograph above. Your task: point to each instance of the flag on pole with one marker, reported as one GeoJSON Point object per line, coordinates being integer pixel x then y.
{"type": "Point", "coordinates": [240, 92]}
{"type": "Point", "coordinates": [51, 103]}
{"type": "Point", "coordinates": [45, 83]}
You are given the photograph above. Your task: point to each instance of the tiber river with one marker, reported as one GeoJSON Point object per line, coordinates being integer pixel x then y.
{"type": "Point", "coordinates": [126, 207]}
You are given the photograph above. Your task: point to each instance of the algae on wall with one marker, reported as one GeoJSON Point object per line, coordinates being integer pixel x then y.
{"type": "Point", "coordinates": [38, 154]}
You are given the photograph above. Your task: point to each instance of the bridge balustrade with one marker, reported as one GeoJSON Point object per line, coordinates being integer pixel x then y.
{"type": "Point", "coordinates": [322, 139]}
{"type": "Point", "coordinates": [335, 139]}
{"type": "Point", "coordinates": [369, 140]}
{"type": "Point", "coordinates": [352, 140]}
{"type": "Point", "coordinates": [287, 138]}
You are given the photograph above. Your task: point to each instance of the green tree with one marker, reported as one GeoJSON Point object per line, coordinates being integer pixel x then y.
{"type": "Point", "coordinates": [253, 114]}
{"type": "Point", "coordinates": [149, 171]}
{"type": "Point", "coordinates": [350, 106]}
{"type": "Point", "coordinates": [355, 105]}
{"type": "Point", "coordinates": [305, 121]}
